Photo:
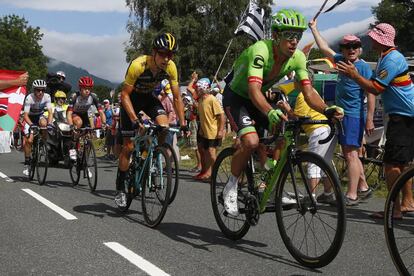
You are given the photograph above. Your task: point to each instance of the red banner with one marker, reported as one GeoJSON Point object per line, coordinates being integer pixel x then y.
{"type": "Point", "coordinates": [11, 101]}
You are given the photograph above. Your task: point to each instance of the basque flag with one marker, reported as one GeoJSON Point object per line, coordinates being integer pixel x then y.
{"type": "Point", "coordinates": [252, 22]}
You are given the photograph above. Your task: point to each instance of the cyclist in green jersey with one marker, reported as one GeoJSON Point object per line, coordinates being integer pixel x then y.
{"type": "Point", "coordinates": [257, 69]}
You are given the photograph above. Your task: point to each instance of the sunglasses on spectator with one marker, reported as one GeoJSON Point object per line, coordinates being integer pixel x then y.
{"type": "Point", "coordinates": [351, 46]}
{"type": "Point", "coordinates": [61, 99]}
{"type": "Point", "coordinates": [166, 54]}
{"type": "Point", "coordinates": [291, 35]}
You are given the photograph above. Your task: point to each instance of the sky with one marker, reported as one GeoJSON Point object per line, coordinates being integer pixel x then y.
{"type": "Point", "coordinates": [92, 34]}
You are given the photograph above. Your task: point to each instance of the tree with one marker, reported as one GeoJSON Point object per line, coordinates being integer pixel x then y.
{"type": "Point", "coordinates": [400, 14]}
{"type": "Point", "coordinates": [19, 47]}
{"type": "Point", "coordinates": [102, 92]}
{"type": "Point", "coordinates": [203, 29]}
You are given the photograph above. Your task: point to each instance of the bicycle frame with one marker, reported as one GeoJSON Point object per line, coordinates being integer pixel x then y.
{"type": "Point", "coordinates": [151, 142]}
{"type": "Point", "coordinates": [287, 154]}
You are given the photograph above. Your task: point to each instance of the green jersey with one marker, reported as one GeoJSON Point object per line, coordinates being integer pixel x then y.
{"type": "Point", "coordinates": [255, 64]}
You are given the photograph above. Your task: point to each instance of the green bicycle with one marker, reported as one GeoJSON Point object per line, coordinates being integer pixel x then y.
{"type": "Point", "coordinates": [149, 175]}
{"type": "Point", "coordinates": [313, 232]}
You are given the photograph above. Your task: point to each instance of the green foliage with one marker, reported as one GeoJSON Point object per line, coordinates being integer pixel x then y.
{"type": "Point", "coordinates": [102, 92]}
{"type": "Point", "coordinates": [315, 53]}
{"type": "Point", "coordinates": [400, 14]}
{"type": "Point", "coordinates": [203, 29]}
{"type": "Point", "coordinates": [19, 47]}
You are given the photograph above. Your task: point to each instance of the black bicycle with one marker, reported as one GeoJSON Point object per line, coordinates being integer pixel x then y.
{"type": "Point", "coordinates": [149, 175]}
{"type": "Point", "coordinates": [39, 156]}
{"type": "Point", "coordinates": [399, 232]}
{"type": "Point", "coordinates": [372, 162]}
{"type": "Point", "coordinates": [312, 231]}
{"type": "Point", "coordinates": [85, 163]}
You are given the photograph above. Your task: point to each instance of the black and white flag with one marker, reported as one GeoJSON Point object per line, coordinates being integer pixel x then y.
{"type": "Point", "coordinates": [252, 22]}
{"type": "Point", "coordinates": [339, 2]}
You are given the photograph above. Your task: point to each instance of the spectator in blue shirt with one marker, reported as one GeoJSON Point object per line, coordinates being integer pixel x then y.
{"type": "Point", "coordinates": [393, 83]}
{"type": "Point", "coordinates": [109, 139]}
{"type": "Point", "coordinates": [350, 96]}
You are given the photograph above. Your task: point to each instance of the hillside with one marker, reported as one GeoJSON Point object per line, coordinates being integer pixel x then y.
{"type": "Point", "coordinates": [73, 73]}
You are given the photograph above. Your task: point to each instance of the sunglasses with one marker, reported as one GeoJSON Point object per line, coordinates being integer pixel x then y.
{"type": "Point", "coordinates": [40, 90]}
{"type": "Point", "coordinates": [60, 99]}
{"type": "Point", "coordinates": [354, 46]}
{"type": "Point", "coordinates": [167, 54]}
{"type": "Point", "coordinates": [291, 35]}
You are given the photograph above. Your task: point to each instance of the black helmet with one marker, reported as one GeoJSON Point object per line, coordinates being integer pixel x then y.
{"type": "Point", "coordinates": [165, 41]}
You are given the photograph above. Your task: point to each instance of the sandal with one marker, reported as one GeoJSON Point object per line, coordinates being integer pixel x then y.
{"type": "Point", "coordinates": [405, 209]}
{"type": "Point", "coordinates": [380, 215]}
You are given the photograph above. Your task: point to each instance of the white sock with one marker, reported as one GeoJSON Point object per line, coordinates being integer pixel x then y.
{"type": "Point", "coordinates": [233, 181]}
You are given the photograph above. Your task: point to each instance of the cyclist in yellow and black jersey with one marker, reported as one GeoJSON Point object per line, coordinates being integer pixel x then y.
{"type": "Point", "coordinates": [144, 74]}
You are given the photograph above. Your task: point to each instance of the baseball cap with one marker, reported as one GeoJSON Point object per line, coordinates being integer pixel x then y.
{"type": "Point", "coordinates": [349, 39]}
{"type": "Point", "coordinates": [106, 101]}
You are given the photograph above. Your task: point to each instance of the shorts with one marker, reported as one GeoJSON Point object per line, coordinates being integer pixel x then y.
{"type": "Point", "coordinates": [109, 139]}
{"type": "Point", "coordinates": [326, 150]}
{"type": "Point", "coordinates": [141, 102]}
{"type": "Point", "coordinates": [118, 137]}
{"type": "Point", "coordinates": [399, 147]}
{"type": "Point", "coordinates": [84, 117]}
{"type": "Point", "coordinates": [209, 143]}
{"type": "Point", "coordinates": [35, 120]}
{"type": "Point", "coordinates": [243, 115]}
{"type": "Point", "coordinates": [353, 131]}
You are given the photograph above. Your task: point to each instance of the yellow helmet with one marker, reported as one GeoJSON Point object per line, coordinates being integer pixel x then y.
{"type": "Point", "coordinates": [60, 94]}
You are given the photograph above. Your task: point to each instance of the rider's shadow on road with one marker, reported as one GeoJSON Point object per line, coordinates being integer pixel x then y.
{"type": "Point", "coordinates": [102, 210]}
{"type": "Point", "coordinates": [202, 238]}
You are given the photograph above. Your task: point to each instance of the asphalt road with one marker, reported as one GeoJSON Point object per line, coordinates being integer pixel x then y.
{"type": "Point", "coordinates": [36, 240]}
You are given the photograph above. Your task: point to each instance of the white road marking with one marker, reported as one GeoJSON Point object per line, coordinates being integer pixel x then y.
{"type": "Point", "coordinates": [51, 205]}
{"type": "Point", "coordinates": [5, 177]}
{"type": "Point", "coordinates": [135, 259]}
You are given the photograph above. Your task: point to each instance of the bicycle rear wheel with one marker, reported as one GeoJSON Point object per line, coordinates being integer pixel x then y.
{"type": "Point", "coordinates": [399, 233]}
{"type": "Point", "coordinates": [91, 168]}
{"type": "Point", "coordinates": [175, 171]}
{"type": "Point", "coordinates": [341, 168]}
{"type": "Point", "coordinates": [312, 232]}
{"type": "Point", "coordinates": [156, 187]}
{"type": "Point", "coordinates": [42, 163]}
{"type": "Point", "coordinates": [374, 171]}
{"type": "Point", "coordinates": [232, 227]}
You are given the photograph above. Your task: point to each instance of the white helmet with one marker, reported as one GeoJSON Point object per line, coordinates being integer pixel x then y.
{"type": "Point", "coordinates": [61, 74]}
{"type": "Point", "coordinates": [39, 83]}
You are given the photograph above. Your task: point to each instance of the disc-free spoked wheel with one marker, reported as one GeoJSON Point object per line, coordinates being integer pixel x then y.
{"type": "Point", "coordinates": [399, 233]}
{"type": "Point", "coordinates": [42, 163]}
{"type": "Point", "coordinates": [175, 171]}
{"type": "Point", "coordinates": [91, 168]}
{"type": "Point", "coordinates": [312, 231]}
{"type": "Point", "coordinates": [156, 187]}
{"type": "Point", "coordinates": [232, 227]}
{"type": "Point", "coordinates": [33, 161]}
{"type": "Point", "coordinates": [75, 168]}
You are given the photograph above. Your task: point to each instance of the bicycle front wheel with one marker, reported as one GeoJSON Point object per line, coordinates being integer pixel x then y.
{"type": "Point", "coordinates": [42, 163]}
{"type": "Point", "coordinates": [232, 227]}
{"type": "Point", "coordinates": [91, 168]}
{"type": "Point", "coordinates": [175, 171]}
{"type": "Point", "coordinates": [33, 161]}
{"type": "Point", "coordinates": [311, 222]}
{"type": "Point", "coordinates": [156, 187]}
{"type": "Point", "coordinates": [74, 170]}
{"type": "Point", "coordinates": [399, 233]}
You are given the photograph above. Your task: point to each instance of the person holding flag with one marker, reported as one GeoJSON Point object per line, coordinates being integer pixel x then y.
{"type": "Point", "coordinates": [256, 70]}
{"type": "Point", "coordinates": [351, 97]}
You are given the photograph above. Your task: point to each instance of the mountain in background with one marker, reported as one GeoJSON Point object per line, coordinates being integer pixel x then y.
{"type": "Point", "coordinates": [73, 73]}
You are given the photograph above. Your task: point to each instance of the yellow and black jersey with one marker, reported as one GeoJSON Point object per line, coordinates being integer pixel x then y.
{"type": "Point", "coordinates": [140, 76]}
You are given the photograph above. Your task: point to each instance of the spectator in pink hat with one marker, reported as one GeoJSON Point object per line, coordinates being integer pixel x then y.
{"type": "Point", "coordinates": [392, 82]}
{"type": "Point", "coordinates": [350, 96]}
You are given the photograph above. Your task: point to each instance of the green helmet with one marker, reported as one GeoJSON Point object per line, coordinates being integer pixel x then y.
{"type": "Point", "coordinates": [288, 19]}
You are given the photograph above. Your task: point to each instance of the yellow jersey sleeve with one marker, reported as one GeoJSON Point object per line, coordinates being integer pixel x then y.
{"type": "Point", "coordinates": [135, 69]}
{"type": "Point", "coordinates": [172, 73]}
